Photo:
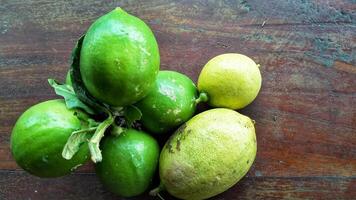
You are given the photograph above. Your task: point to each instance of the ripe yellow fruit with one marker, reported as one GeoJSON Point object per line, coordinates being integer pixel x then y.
{"type": "Point", "coordinates": [230, 81]}
{"type": "Point", "coordinates": [208, 154]}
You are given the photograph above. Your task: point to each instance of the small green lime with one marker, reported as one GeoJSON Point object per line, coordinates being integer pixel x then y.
{"type": "Point", "coordinates": [38, 138]}
{"type": "Point", "coordinates": [119, 59]}
{"type": "Point", "coordinates": [170, 103]}
{"type": "Point", "coordinates": [208, 154]}
{"type": "Point", "coordinates": [129, 162]}
{"type": "Point", "coordinates": [230, 80]}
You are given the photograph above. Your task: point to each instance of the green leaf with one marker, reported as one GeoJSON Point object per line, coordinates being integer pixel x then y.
{"type": "Point", "coordinates": [98, 135]}
{"type": "Point", "coordinates": [76, 139]}
{"type": "Point", "coordinates": [71, 100]}
{"type": "Point", "coordinates": [77, 82]}
{"type": "Point", "coordinates": [132, 114]}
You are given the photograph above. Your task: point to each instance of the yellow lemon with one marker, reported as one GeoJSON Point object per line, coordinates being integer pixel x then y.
{"type": "Point", "coordinates": [230, 80]}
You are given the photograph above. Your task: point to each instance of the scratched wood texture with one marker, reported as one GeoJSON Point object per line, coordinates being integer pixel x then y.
{"type": "Point", "coordinates": [305, 112]}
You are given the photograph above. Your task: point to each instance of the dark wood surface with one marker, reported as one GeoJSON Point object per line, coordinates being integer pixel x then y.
{"type": "Point", "coordinates": [305, 112]}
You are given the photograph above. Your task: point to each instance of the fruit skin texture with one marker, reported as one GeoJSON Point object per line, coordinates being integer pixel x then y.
{"type": "Point", "coordinates": [170, 103]}
{"type": "Point", "coordinates": [208, 154]}
{"type": "Point", "coordinates": [129, 162]}
{"type": "Point", "coordinates": [119, 59]}
{"type": "Point", "coordinates": [230, 80]}
{"type": "Point", "coordinates": [38, 138]}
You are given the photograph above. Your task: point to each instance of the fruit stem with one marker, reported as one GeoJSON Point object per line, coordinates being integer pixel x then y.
{"type": "Point", "coordinates": [157, 190]}
{"type": "Point", "coordinates": [117, 130]}
{"type": "Point", "coordinates": [117, 111]}
{"type": "Point", "coordinates": [203, 97]}
{"type": "Point", "coordinates": [95, 140]}
{"type": "Point", "coordinates": [81, 116]}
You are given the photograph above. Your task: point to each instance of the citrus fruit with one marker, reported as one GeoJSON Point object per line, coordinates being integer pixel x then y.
{"type": "Point", "coordinates": [38, 138]}
{"type": "Point", "coordinates": [119, 59]}
{"type": "Point", "coordinates": [129, 162]}
{"type": "Point", "coordinates": [208, 154]}
{"type": "Point", "coordinates": [170, 103]}
{"type": "Point", "coordinates": [230, 80]}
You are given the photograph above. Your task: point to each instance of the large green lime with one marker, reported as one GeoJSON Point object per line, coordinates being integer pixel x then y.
{"type": "Point", "coordinates": [129, 162]}
{"type": "Point", "coordinates": [119, 59]}
{"type": "Point", "coordinates": [230, 80]}
{"type": "Point", "coordinates": [39, 136]}
{"type": "Point", "coordinates": [208, 154]}
{"type": "Point", "coordinates": [170, 103]}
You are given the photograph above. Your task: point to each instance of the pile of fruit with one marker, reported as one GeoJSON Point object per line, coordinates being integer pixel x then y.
{"type": "Point", "coordinates": [116, 103]}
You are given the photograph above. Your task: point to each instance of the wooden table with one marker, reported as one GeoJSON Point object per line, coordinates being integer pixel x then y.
{"type": "Point", "coordinates": [305, 112]}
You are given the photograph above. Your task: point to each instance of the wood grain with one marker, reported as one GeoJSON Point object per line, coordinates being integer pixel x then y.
{"type": "Point", "coordinates": [86, 186]}
{"type": "Point", "coordinates": [305, 112]}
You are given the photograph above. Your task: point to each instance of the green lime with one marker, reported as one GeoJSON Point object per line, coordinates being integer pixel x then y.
{"type": "Point", "coordinates": [170, 103]}
{"type": "Point", "coordinates": [38, 138]}
{"type": "Point", "coordinates": [129, 162]}
{"type": "Point", "coordinates": [119, 59]}
{"type": "Point", "coordinates": [208, 154]}
{"type": "Point", "coordinates": [230, 80]}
